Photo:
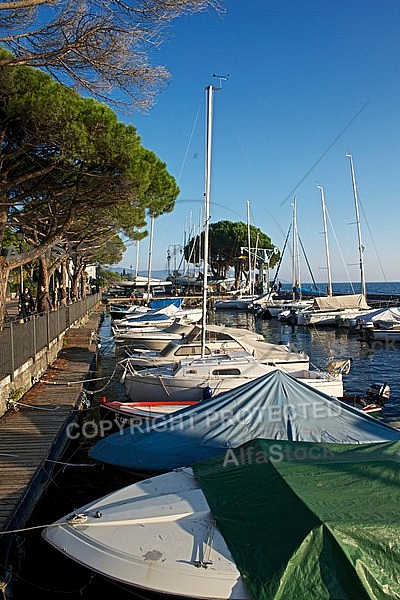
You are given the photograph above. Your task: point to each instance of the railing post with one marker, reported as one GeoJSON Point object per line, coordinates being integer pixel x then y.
{"type": "Point", "coordinates": [12, 351]}
{"type": "Point", "coordinates": [48, 329]}
{"type": "Point", "coordinates": [34, 338]}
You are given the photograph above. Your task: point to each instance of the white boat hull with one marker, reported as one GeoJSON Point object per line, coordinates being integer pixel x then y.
{"type": "Point", "coordinates": [157, 535]}
{"type": "Point", "coordinates": [143, 410]}
{"type": "Point", "coordinates": [157, 339]}
{"type": "Point", "coordinates": [385, 335]}
{"type": "Point", "coordinates": [193, 382]}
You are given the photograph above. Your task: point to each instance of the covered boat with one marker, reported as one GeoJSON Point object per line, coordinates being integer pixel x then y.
{"type": "Point", "coordinates": [305, 520]}
{"type": "Point", "coordinates": [218, 340]}
{"type": "Point", "coordinates": [274, 406]}
{"type": "Point", "coordinates": [331, 310]}
{"type": "Point", "coordinates": [269, 520]}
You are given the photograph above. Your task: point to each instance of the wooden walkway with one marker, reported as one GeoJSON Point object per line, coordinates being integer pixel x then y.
{"type": "Point", "coordinates": [33, 437]}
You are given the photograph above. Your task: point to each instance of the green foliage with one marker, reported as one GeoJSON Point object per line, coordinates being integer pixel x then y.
{"type": "Point", "coordinates": [16, 393]}
{"type": "Point", "coordinates": [227, 240]}
{"type": "Point", "coordinates": [106, 277]}
{"type": "Point", "coordinates": [65, 157]}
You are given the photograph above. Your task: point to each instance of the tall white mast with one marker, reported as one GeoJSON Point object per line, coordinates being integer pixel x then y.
{"type": "Point", "coordinates": [150, 259]}
{"type": "Point", "coordinates": [209, 91]}
{"type": "Point", "coordinates": [137, 258]}
{"type": "Point", "coordinates": [360, 244]}
{"type": "Point", "coordinates": [295, 255]}
{"type": "Point", "coordinates": [328, 260]}
{"type": "Point", "coordinates": [249, 247]}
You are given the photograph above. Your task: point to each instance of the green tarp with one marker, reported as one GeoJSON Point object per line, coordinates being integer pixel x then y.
{"type": "Point", "coordinates": [307, 520]}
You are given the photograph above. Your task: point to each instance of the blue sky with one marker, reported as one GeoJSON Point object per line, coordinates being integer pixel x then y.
{"type": "Point", "coordinates": [307, 82]}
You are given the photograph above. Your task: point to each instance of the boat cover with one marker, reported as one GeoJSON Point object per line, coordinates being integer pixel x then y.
{"type": "Point", "coordinates": [275, 406]}
{"type": "Point", "coordinates": [386, 315]}
{"type": "Point", "coordinates": [253, 342]}
{"type": "Point", "coordinates": [163, 302]}
{"type": "Point", "coordinates": [153, 314]}
{"type": "Point", "coordinates": [306, 520]}
{"type": "Point", "coordinates": [340, 302]}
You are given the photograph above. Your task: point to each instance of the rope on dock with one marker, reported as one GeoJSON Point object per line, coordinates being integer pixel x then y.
{"type": "Point", "coordinates": [68, 464]}
{"type": "Point", "coordinates": [72, 383]}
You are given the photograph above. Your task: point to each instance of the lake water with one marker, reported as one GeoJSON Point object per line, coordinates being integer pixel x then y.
{"type": "Point", "coordinates": [47, 573]}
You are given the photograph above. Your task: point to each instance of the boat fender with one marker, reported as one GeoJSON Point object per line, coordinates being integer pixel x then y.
{"type": "Point", "coordinates": [103, 400]}
{"type": "Point", "coordinates": [207, 392]}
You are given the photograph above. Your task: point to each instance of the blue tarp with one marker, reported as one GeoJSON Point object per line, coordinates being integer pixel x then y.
{"type": "Point", "coordinates": [163, 302]}
{"type": "Point", "coordinates": [275, 406]}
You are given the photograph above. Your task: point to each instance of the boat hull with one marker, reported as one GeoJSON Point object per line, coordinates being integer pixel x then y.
{"type": "Point", "coordinates": [153, 535]}
{"type": "Point", "coordinates": [385, 335]}
{"type": "Point", "coordinates": [157, 385]}
{"type": "Point", "coordinates": [130, 413]}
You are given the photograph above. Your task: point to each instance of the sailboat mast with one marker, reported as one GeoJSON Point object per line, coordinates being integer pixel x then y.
{"type": "Point", "coordinates": [137, 258]}
{"type": "Point", "coordinates": [150, 259]}
{"type": "Point", "coordinates": [249, 246]}
{"type": "Point", "coordinates": [360, 244]}
{"type": "Point", "coordinates": [209, 93]}
{"type": "Point", "coordinates": [295, 257]}
{"type": "Point", "coordinates": [328, 260]}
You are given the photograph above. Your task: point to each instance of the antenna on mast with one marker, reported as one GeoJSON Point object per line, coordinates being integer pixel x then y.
{"type": "Point", "coordinates": [221, 79]}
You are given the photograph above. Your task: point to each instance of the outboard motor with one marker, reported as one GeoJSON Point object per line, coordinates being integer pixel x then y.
{"type": "Point", "coordinates": [207, 392]}
{"type": "Point", "coordinates": [377, 394]}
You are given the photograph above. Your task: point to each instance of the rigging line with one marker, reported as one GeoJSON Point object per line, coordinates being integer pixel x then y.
{"type": "Point", "coordinates": [372, 239]}
{"type": "Point", "coordinates": [188, 145]}
{"type": "Point", "coordinates": [326, 151]}
{"type": "Point", "coordinates": [340, 252]}
{"type": "Point", "coordinates": [281, 258]}
{"type": "Point", "coordinates": [308, 264]}
{"type": "Point", "coordinates": [246, 154]}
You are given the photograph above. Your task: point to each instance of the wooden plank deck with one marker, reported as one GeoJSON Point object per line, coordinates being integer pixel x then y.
{"type": "Point", "coordinates": [33, 437]}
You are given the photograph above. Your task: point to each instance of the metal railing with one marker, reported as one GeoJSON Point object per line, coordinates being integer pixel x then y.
{"type": "Point", "coordinates": [21, 341]}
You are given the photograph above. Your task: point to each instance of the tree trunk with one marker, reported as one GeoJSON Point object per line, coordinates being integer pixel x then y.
{"type": "Point", "coordinates": [63, 285]}
{"type": "Point", "coordinates": [4, 273]}
{"type": "Point", "coordinates": [83, 283]}
{"type": "Point", "coordinates": [74, 285]}
{"type": "Point", "coordinates": [42, 299]}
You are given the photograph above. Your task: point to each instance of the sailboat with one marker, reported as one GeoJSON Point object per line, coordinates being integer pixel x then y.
{"type": "Point", "coordinates": [337, 311]}
{"type": "Point", "coordinates": [275, 308]}
{"type": "Point", "coordinates": [196, 379]}
{"type": "Point", "coordinates": [243, 299]}
{"type": "Point", "coordinates": [220, 340]}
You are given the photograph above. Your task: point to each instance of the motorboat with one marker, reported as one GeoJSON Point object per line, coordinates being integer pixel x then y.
{"type": "Point", "coordinates": [159, 317]}
{"type": "Point", "coordinates": [189, 378]}
{"type": "Point", "coordinates": [120, 311]}
{"type": "Point", "coordinates": [235, 302]}
{"type": "Point", "coordinates": [157, 535]}
{"type": "Point", "coordinates": [275, 406]}
{"type": "Point", "coordinates": [153, 338]}
{"type": "Point", "coordinates": [372, 402]}
{"type": "Point", "coordinates": [129, 413]}
{"type": "Point", "coordinates": [275, 308]}
{"type": "Point", "coordinates": [195, 532]}
{"type": "Point", "coordinates": [219, 340]}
